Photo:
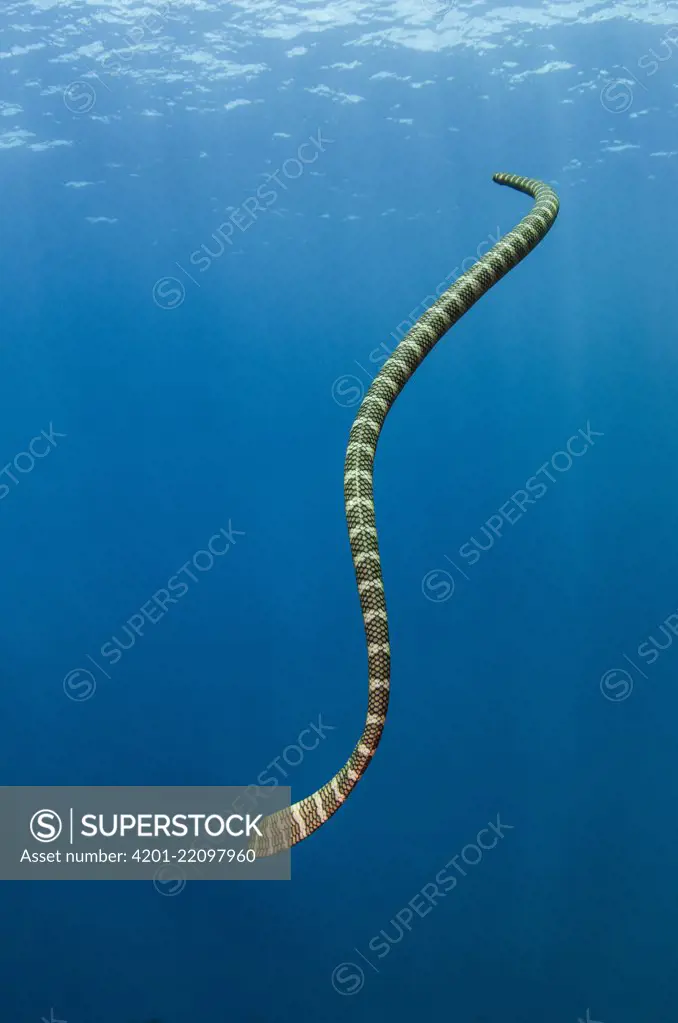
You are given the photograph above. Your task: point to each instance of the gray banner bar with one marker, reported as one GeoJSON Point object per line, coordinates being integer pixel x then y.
{"type": "Point", "coordinates": [136, 833]}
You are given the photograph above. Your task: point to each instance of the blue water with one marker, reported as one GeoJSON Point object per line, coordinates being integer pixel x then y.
{"type": "Point", "coordinates": [175, 394]}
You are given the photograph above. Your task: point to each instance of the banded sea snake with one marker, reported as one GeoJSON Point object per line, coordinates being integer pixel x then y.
{"type": "Point", "coordinates": [286, 827]}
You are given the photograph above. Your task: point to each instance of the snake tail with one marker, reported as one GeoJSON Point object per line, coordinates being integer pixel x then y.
{"type": "Point", "coordinates": [285, 828]}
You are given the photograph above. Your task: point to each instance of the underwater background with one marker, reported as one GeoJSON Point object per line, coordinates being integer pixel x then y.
{"type": "Point", "coordinates": [192, 366]}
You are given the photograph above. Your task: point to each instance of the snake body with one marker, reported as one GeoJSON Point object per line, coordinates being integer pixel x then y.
{"type": "Point", "coordinates": [286, 827]}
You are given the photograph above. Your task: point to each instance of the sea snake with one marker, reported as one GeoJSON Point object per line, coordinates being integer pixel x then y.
{"type": "Point", "coordinates": [286, 827]}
